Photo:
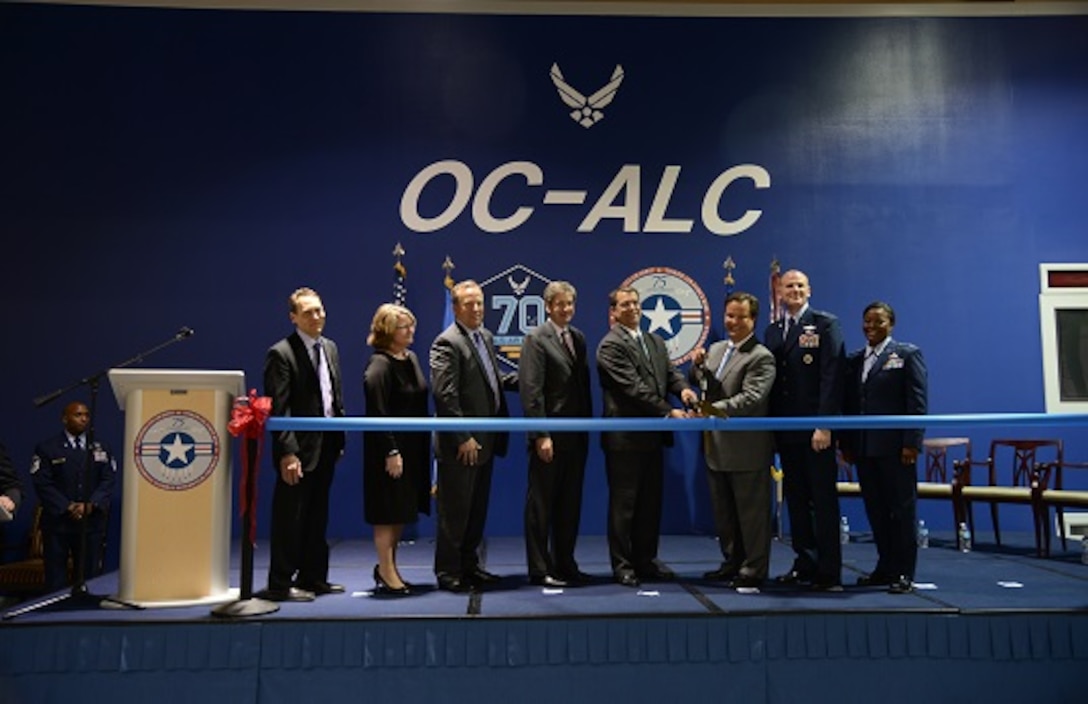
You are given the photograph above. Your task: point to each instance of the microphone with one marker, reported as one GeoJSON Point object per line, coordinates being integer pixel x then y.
{"type": "Point", "coordinates": [42, 400]}
{"type": "Point", "coordinates": [184, 333]}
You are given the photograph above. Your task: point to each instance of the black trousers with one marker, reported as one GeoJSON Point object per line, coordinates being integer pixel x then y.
{"type": "Point", "coordinates": [463, 494]}
{"type": "Point", "coordinates": [300, 520]}
{"type": "Point", "coordinates": [812, 501]}
{"type": "Point", "coordinates": [59, 545]}
{"type": "Point", "coordinates": [553, 507]}
{"type": "Point", "coordinates": [889, 489]}
{"type": "Point", "coordinates": [635, 486]}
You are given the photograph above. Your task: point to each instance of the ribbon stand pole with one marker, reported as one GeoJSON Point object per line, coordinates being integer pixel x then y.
{"type": "Point", "coordinates": [247, 422]}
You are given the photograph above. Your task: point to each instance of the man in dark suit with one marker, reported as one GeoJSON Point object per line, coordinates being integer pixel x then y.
{"type": "Point", "coordinates": [887, 377]}
{"type": "Point", "coordinates": [809, 353]}
{"type": "Point", "coordinates": [74, 477]}
{"type": "Point", "coordinates": [302, 376]}
{"type": "Point", "coordinates": [466, 383]}
{"type": "Point", "coordinates": [737, 375]}
{"type": "Point", "coordinates": [637, 378]}
{"type": "Point", "coordinates": [553, 376]}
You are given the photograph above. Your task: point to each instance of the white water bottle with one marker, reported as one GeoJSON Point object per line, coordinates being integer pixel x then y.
{"type": "Point", "coordinates": [964, 538]}
{"type": "Point", "coordinates": [923, 535]}
{"type": "Point", "coordinates": [844, 531]}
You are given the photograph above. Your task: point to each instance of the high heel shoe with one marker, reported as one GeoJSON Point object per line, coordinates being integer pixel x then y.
{"type": "Point", "coordinates": [382, 587]}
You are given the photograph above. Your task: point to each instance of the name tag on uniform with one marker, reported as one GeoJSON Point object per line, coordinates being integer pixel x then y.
{"type": "Point", "coordinates": [100, 456]}
{"type": "Point", "coordinates": [58, 460]}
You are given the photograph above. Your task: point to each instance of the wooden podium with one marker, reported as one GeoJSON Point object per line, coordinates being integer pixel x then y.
{"type": "Point", "coordinates": [175, 513]}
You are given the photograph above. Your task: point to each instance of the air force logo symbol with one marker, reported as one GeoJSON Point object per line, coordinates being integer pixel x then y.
{"type": "Point", "coordinates": [587, 111]}
{"type": "Point", "coordinates": [515, 305]}
{"type": "Point", "coordinates": [674, 307]}
{"type": "Point", "coordinates": [177, 450]}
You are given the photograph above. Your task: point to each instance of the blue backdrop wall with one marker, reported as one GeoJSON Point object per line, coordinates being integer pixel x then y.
{"type": "Point", "coordinates": [165, 168]}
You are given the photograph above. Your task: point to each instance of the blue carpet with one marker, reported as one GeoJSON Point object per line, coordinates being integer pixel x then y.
{"type": "Point", "coordinates": [988, 578]}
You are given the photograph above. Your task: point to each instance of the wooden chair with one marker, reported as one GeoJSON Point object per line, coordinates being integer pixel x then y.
{"type": "Point", "coordinates": [936, 456]}
{"type": "Point", "coordinates": [1023, 482]}
{"type": "Point", "coordinates": [26, 577]}
{"type": "Point", "coordinates": [935, 483]}
{"type": "Point", "coordinates": [1054, 494]}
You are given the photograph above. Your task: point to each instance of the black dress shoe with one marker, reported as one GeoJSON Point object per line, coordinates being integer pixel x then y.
{"type": "Point", "coordinates": [628, 579]}
{"type": "Point", "coordinates": [656, 574]}
{"type": "Point", "coordinates": [875, 579]}
{"type": "Point", "coordinates": [746, 581]}
{"type": "Point", "coordinates": [723, 574]}
{"type": "Point", "coordinates": [453, 583]}
{"type": "Point", "coordinates": [793, 577]}
{"type": "Point", "coordinates": [902, 585]}
{"type": "Point", "coordinates": [825, 584]}
{"type": "Point", "coordinates": [322, 588]}
{"type": "Point", "coordinates": [382, 587]}
{"type": "Point", "coordinates": [482, 576]}
{"type": "Point", "coordinates": [546, 580]}
{"type": "Point", "coordinates": [289, 594]}
{"type": "Point", "coordinates": [575, 577]}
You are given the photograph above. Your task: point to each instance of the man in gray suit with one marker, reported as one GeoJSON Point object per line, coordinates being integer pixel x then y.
{"type": "Point", "coordinates": [466, 383]}
{"type": "Point", "coordinates": [737, 376]}
{"type": "Point", "coordinates": [553, 377]}
{"type": "Point", "coordinates": [637, 378]}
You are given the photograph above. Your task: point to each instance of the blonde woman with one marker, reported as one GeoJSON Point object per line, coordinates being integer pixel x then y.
{"type": "Point", "coordinates": [396, 465]}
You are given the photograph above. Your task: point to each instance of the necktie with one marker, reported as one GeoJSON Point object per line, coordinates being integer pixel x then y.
{"type": "Point", "coordinates": [790, 322]}
{"type": "Point", "coordinates": [485, 359]}
{"type": "Point", "coordinates": [642, 344]}
{"type": "Point", "coordinates": [870, 360]}
{"type": "Point", "coordinates": [567, 342]}
{"type": "Point", "coordinates": [725, 359]}
{"type": "Point", "coordinates": [324, 378]}
{"type": "Point", "coordinates": [77, 443]}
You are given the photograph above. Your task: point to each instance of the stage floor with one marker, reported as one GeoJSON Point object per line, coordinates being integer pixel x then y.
{"type": "Point", "coordinates": [988, 579]}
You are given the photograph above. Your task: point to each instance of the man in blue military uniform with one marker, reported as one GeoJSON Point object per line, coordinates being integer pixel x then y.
{"type": "Point", "coordinates": [810, 358]}
{"type": "Point", "coordinates": [74, 483]}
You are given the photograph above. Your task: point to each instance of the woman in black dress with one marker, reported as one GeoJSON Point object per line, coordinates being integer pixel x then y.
{"type": "Point", "coordinates": [396, 464]}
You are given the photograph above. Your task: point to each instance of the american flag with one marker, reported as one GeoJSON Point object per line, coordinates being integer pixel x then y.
{"type": "Point", "coordinates": [400, 274]}
{"type": "Point", "coordinates": [774, 299]}
{"type": "Point", "coordinates": [447, 285]}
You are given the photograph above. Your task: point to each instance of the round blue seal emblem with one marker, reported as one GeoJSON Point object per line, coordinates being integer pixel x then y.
{"type": "Point", "coordinates": [674, 307]}
{"type": "Point", "coordinates": [177, 450]}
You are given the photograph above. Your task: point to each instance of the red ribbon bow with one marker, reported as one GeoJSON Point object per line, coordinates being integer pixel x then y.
{"type": "Point", "coordinates": [247, 420]}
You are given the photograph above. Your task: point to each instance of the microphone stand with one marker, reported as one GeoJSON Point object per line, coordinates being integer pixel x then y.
{"type": "Point", "coordinates": [80, 598]}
